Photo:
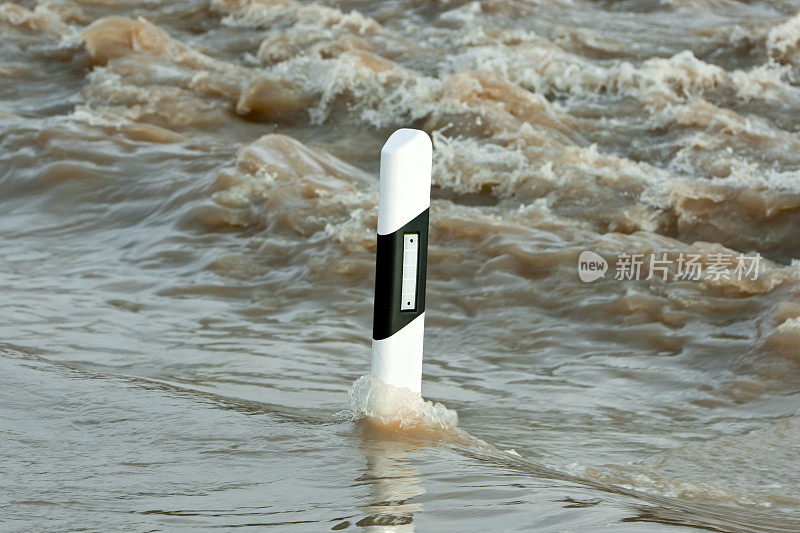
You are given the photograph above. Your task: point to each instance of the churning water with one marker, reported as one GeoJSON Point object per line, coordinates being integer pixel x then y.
{"type": "Point", "coordinates": [187, 234]}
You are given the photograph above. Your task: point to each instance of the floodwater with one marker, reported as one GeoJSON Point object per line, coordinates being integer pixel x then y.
{"type": "Point", "coordinates": [187, 234]}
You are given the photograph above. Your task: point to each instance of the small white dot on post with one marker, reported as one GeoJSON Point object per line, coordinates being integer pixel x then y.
{"type": "Point", "coordinates": [404, 200]}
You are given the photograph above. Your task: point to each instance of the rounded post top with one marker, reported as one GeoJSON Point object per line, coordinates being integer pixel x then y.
{"type": "Point", "coordinates": [407, 140]}
{"type": "Point", "coordinates": [405, 186]}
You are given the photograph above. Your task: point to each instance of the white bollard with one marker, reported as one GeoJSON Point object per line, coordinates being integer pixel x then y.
{"type": "Point", "coordinates": [403, 205]}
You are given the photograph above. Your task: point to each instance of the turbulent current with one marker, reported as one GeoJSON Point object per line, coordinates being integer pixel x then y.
{"type": "Point", "coordinates": [188, 197]}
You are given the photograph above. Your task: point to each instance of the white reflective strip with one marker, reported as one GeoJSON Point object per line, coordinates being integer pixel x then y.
{"type": "Point", "coordinates": [408, 285]}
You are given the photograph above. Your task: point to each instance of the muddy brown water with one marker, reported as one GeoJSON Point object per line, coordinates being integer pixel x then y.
{"type": "Point", "coordinates": [187, 213]}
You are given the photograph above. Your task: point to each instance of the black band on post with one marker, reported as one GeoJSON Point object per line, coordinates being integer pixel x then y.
{"type": "Point", "coordinates": [388, 317]}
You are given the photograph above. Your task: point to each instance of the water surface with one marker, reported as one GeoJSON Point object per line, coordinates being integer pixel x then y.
{"type": "Point", "coordinates": [188, 201]}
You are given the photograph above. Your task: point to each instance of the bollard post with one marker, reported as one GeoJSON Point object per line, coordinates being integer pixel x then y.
{"type": "Point", "coordinates": [401, 259]}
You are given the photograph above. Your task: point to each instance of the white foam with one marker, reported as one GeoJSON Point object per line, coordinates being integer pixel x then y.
{"type": "Point", "coordinates": [543, 67]}
{"type": "Point", "coordinates": [372, 399]}
{"type": "Point", "coordinates": [783, 40]}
